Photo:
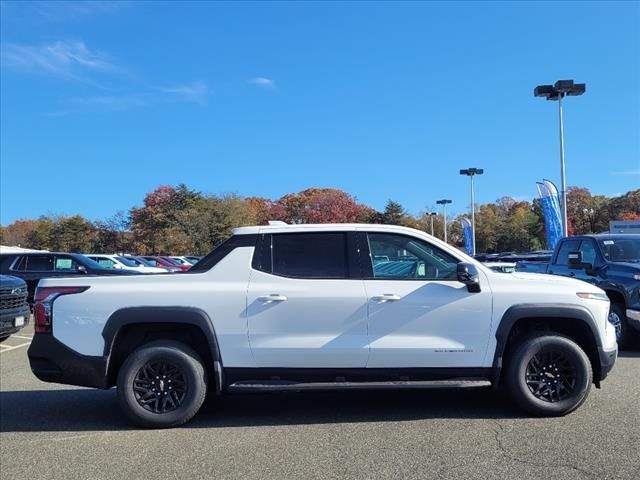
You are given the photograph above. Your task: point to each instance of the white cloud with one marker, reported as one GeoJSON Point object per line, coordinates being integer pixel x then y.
{"type": "Point", "coordinates": [263, 82]}
{"type": "Point", "coordinates": [627, 172]}
{"type": "Point", "coordinates": [191, 92]}
{"type": "Point", "coordinates": [64, 59]}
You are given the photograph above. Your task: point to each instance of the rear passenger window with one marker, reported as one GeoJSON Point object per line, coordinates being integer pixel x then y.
{"type": "Point", "coordinates": [567, 247]}
{"type": "Point", "coordinates": [40, 263]}
{"type": "Point", "coordinates": [65, 264]}
{"type": "Point", "coordinates": [310, 255]}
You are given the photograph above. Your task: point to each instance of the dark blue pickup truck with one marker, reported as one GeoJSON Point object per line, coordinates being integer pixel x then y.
{"type": "Point", "coordinates": [611, 262]}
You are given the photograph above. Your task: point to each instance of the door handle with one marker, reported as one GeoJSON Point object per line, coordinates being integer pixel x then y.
{"type": "Point", "coordinates": [274, 297]}
{"type": "Point", "coordinates": [387, 297]}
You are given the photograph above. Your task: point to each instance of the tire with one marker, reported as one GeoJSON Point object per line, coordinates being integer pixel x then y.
{"type": "Point", "coordinates": [173, 364]}
{"type": "Point", "coordinates": [2, 339]}
{"type": "Point", "coordinates": [538, 393]}
{"type": "Point", "coordinates": [618, 318]}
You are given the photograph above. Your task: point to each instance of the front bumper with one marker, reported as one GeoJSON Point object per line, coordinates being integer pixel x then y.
{"type": "Point", "coordinates": [607, 361]}
{"type": "Point", "coordinates": [52, 361]}
{"type": "Point", "coordinates": [8, 320]}
{"type": "Point", "coordinates": [633, 319]}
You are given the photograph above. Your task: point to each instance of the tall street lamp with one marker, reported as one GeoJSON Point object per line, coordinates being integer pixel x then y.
{"type": "Point", "coordinates": [470, 172]}
{"type": "Point", "coordinates": [561, 89]}
{"type": "Point", "coordinates": [432, 214]}
{"type": "Point", "coordinates": [444, 202]}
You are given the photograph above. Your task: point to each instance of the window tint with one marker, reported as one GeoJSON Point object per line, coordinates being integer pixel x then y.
{"type": "Point", "coordinates": [402, 257]}
{"type": "Point", "coordinates": [19, 264]}
{"type": "Point", "coordinates": [588, 250]}
{"type": "Point", "coordinates": [310, 255]}
{"type": "Point", "coordinates": [566, 247]}
{"type": "Point", "coordinates": [105, 262]}
{"type": "Point", "coordinates": [40, 263]}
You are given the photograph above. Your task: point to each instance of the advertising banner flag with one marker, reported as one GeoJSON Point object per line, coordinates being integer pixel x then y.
{"type": "Point", "coordinates": [550, 202]}
{"type": "Point", "coordinates": [468, 235]}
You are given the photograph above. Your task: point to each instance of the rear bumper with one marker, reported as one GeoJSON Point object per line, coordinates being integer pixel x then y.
{"type": "Point", "coordinates": [607, 361]}
{"type": "Point", "coordinates": [7, 320]}
{"type": "Point", "coordinates": [633, 319]}
{"type": "Point", "coordinates": [52, 361]}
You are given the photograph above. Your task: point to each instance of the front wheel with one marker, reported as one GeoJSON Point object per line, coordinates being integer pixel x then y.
{"type": "Point", "coordinates": [162, 384]}
{"type": "Point", "coordinates": [549, 375]}
{"type": "Point", "coordinates": [618, 318]}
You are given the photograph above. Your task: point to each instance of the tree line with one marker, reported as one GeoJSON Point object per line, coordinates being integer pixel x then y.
{"type": "Point", "coordinates": [178, 220]}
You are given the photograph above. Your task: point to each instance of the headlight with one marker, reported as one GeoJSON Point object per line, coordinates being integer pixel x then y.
{"type": "Point", "coordinates": [593, 296]}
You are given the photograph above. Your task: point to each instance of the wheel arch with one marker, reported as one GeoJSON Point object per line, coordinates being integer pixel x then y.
{"type": "Point", "coordinates": [129, 328]}
{"type": "Point", "coordinates": [573, 321]}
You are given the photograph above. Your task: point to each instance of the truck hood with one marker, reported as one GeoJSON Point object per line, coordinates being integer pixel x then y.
{"type": "Point", "coordinates": [555, 281]}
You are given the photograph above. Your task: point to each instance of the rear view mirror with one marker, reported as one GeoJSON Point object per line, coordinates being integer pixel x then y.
{"type": "Point", "coordinates": [468, 274]}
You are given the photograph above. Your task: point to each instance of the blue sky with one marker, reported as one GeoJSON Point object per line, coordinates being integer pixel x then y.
{"type": "Point", "coordinates": [102, 102]}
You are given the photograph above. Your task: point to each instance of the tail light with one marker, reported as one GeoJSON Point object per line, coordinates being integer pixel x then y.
{"type": "Point", "coordinates": [43, 301]}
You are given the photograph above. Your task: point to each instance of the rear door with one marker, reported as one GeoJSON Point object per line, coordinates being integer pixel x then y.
{"type": "Point", "coordinates": [306, 308]}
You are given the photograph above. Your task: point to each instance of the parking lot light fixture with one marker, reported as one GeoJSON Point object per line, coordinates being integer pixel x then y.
{"type": "Point", "coordinates": [557, 91]}
{"type": "Point", "coordinates": [444, 202]}
{"type": "Point", "coordinates": [432, 214]}
{"type": "Point", "coordinates": [471, 172]}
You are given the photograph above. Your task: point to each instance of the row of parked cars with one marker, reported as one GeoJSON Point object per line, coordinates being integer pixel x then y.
{"type": "Point", "coordinates": [20, 274]}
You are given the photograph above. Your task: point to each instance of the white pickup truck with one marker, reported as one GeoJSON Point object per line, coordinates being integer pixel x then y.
{"type": "Point", "coordinates": [323, 306]}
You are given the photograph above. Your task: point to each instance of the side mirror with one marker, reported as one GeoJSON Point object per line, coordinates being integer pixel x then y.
{"type": "Point", "coordinates": [468, 274]}
{"type": "Point", "coordinates": [576, 263]}
{"type": "Point", "coordinates": [82, 269]}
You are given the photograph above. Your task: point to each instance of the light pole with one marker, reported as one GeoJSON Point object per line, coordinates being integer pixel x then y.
{"type": "Point", "coordinates": [470, 172]}
{"type": "Point", "coordinates": [432, 214]}
{"type": "Point", "coordinates": [444, 202]}
{"type": "Point", "coordinates": [561, 89]}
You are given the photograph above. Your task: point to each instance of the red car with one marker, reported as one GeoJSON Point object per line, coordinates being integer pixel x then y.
{"type": "Point", "coordinates": [164, 262]}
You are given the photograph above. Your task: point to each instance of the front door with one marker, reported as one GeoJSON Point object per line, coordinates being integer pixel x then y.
{"type": "Point", "coordinates": [303, 308]}
{"type": "Point", "coordinates": [419, 314]}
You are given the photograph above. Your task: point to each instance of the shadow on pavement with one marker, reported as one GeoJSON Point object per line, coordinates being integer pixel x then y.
{"type": "Point", "coordinates": [98, 410]}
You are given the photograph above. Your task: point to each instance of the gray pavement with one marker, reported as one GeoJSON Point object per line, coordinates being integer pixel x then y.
{"type": "Point", "coordinates": [55, 432]}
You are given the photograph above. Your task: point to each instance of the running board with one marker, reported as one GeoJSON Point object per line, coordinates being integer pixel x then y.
{"type": "Point", "coordinates": [249, 385]}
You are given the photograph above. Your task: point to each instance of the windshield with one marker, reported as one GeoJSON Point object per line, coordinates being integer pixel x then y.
{"type": "Point", "coordinates": [127, 261]}
{"type": "Point", "coordinates": [621, 249]}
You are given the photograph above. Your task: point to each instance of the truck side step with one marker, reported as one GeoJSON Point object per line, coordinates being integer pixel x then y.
{"type": "Point", "coordinates": [280, 385]}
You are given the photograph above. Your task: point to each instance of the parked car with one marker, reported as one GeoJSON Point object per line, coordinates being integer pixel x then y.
{"type": "Point", "coordinates": [160, 263]}
{"type": "Point", "coordinates": [123, 263]}
{"type": "Point", "coordinates": [182, 260]}
{"type": "Point", "coordinates": [14, 309]}
{"type": "Point", "coordinates": [306, 307]}
{"type": "Point", "coordinates": [193, 259]}
{"type": "Point", "coordinates": [165, 262]}
{"type": "Point", "coordinates": [33, 267]}
{"type": "Point", "coordinates": [502, 267]}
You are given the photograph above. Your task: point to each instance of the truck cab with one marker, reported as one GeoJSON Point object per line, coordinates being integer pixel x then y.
{"type": "Point", "coordinates": [611, 262]}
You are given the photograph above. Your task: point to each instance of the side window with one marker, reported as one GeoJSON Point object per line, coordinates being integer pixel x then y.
{"type": "Point", "coordinates": [65, 264]}
{"type": "Point", "coordinates": [588, 250]}
{"type": "Point", "coordinates": [566, 247]}
{"type": "Point", "coordinates": [105, 262]}
{"type": "Point", "coordinates": [19, 264]}
{"type": "Point", "coordinates": [39, 263]}
{"type": "Point", "coordinates": [402, 257]}
{"type": "Point", "coordinates": [310, 255]}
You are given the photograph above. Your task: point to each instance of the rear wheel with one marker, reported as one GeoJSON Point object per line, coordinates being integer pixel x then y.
{"type": "Point", "coordinates": [549, 375]}
{"type": "Point", "coordinates": [162, 384]}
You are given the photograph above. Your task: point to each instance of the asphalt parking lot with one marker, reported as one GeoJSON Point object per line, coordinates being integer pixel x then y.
{"type": "Point", "coordinates": [55, 432]}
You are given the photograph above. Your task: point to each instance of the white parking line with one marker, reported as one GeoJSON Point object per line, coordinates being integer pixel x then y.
{"type": "Point", "coordinates": [7, 348]}
{"type": "Point", "coordinates": [22, 337]}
